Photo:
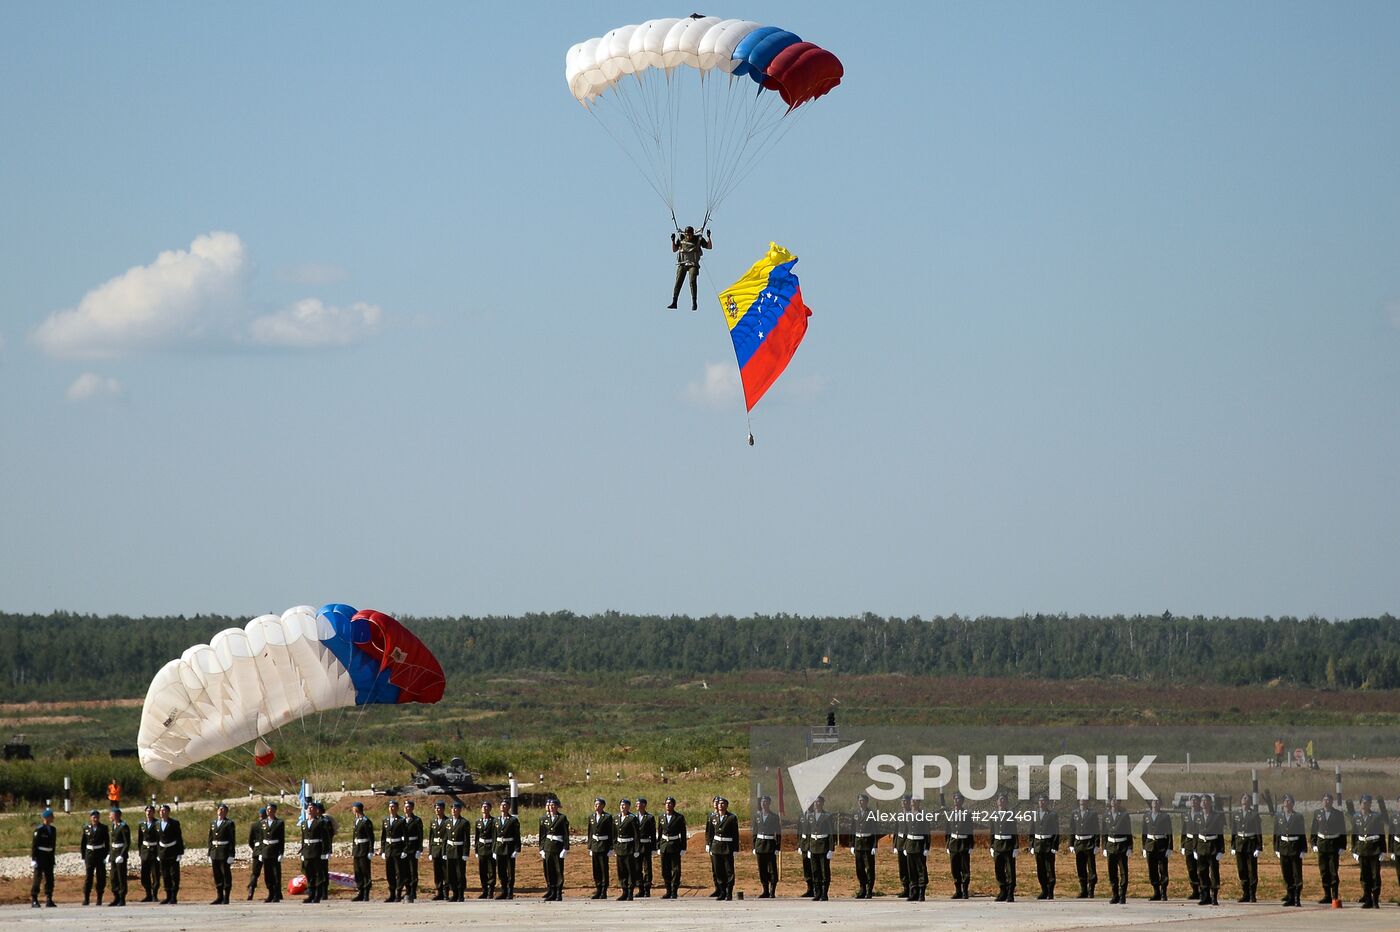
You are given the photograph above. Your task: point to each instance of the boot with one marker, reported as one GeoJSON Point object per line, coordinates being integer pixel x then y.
{"type": "Point", "coordinates": [1092, 884]}
{"type": "Point", "coordinates": [49, 903]}
{"type": "Point", "coordinates": [1050, 893]}
{"type": "Point", "coordinates": [922, 889]}
{"type": "Point", "coordinates": [1215, 896]}
{"type": "Point", "coordinates": [808, 891]}
{"type": "Point", "coordinates": [1083, 892]}
{"type": "Point", "coordinates": [34, 902]}
{"type": "Point", "coordinates": [485, 894]}
{"type": "Point", "coordinates": [1195, 891]}
{"type": "Point", "coordinates": [250, 894]}
{"type": "Point", "coordinates": [904, 891]}
{"type": "Point", "coordinates": [1011, 894]}
{"type": "Point", "coordinates": [729, 891]}
{"type": "Point", "coordinates": [1001, 894]}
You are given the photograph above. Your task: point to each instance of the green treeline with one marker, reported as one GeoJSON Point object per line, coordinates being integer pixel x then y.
{"type": "Point", "coordinates": [64, 656]}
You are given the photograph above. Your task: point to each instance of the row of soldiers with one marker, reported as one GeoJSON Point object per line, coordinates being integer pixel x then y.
{"type": "Point", "coordinates": [633, 837]}
{"type": "Point", "coordinates": [1203, 845]}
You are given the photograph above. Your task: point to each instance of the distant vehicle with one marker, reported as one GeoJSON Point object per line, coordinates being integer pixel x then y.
{"type": "Point", "coordinates": [438, 779]}
{"type": "Point", "coordinates": [17, 749]}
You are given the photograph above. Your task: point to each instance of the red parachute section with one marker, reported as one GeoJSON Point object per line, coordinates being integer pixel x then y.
{"type": "Point", "coordinates": [412, 667]}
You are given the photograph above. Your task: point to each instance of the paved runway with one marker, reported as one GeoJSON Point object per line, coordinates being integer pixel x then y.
{"type": "Point", "coordinates": [1031, 916]}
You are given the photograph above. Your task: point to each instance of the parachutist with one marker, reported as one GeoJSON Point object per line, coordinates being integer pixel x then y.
{"type": "Point", "coordinates": [688, 247]}
{"type": "Point", "coordinates": [750, 439]}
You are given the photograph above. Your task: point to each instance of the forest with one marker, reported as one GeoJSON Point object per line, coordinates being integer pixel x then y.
{"type": "Point", "coordinates": [62, 656]}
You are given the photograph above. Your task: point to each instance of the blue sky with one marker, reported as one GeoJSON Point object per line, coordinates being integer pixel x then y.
{"type": "Point", "coordinates": [1106, 317]}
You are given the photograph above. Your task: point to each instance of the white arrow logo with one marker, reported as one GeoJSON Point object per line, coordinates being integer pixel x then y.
{"type": "Point", "coordinates": [811, 777]}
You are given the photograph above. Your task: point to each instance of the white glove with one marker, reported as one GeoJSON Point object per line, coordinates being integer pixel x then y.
{"type": "Point", "coordinates": [1356, 857]}
{"type": "Point", "coordinates": [1183, 850]}
{"type": "Point", "coordinates": [1144, 855]}
{"type": "Point", "coordinates": [1054, 852]}
{"type": "Point", "coordinates": [828, 855]}
{"type": "Point", "coordinates": [325, 857]}
{"type": "Point", "coordinates": [416, 854]}
{"type": "Point", "coordinates": [34, 865]}
{"type": "Point", "coordinates": [402, 855]}
{"type": "Point", "coordinates": [1219, 855]}
{"type": "Point", "coordinates": [562, 853]}
{"type": "Point", "coordinates": [707, 849]}
{"type": "Point", "coordinates": [514, 855]}
{"type": "Point", "coordinates": [1277, 855]}
{"type": "Point", "coordinates": [279, 859]}
{"type": "Point", "coordinates": [541, 854]}
{"type": "Point", "coordinates": [260, 858]}
{"type": "Point", "coordinates": [493, 855]}
{"type": "Point", "coordinates": [1256, 854]}
{"type": "Point", "coordinates": [1195, 855]}
{"type": "Point", "coordinates": [636, 854]}
{"type": "Point", "coordinates": [1015, 852]}
{"type": "Point", "coordinates": [853, 851]}
{"type": "Point", "coordinates": [1170, 852]}
{"type": "Point", "coordinates": [121, 859]}
{"type": "Point", "coordinates": [1105, 851]}
{"type": "Point", "coordinates": [1314, 849]}
{"type": "Point", "coordinates": [384, 854]}
{"type": "Point", "coordinates": [755, 851]}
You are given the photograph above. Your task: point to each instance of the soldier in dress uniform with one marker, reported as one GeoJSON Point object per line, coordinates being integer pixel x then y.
{"type": "Point", "coordinates": [1006, 847]}
{"type": "Point", "coordinates": [1210, 848]}
{"type": "Point", "coordinates": [820, 847]}
{"type": "Point", "coordinates": [1393, 843]}
{"type": "Point", "coordinates": [148, 841]}
{"type": "Point", "coordinates": [95, 845]}
{"type": "Point", "coordinates": [1156, 846]}
{"type": "Point", "coordinates": [223, 839]}
{"type": "Point", "coordinates": [767, 842]}
{"type": "Point", "coordinates": [960, 840]}
{"type": "Point", "coordinates": [1367, 846]}
{"type": "Point", "coordinates": [1329, 837]}
{"type": "Point", "coordinates": [865, 836]}
{"type": "Point", "coordinates": [274, 844]}
{"type": "Point", "coordinates": [601, 838]}
{"type": "Point", "coordinates": [437, 848]}
{"type": "Point", "coordinates": [646, 843]}
{"type": "Point", "coordinates": [505, 849]}
{"type": "Point", "coordinates": [1085, 841]}
{"type": "Point", "coordinates": [413, 850]}
{"type": "Point", "coordinates": [897, 843]}
{"type": "Point", "coordinates": [670, 842]}
{"type": "Point", "coordinates": [1189, 822]}
{"type": "Point", "coordinates": [41, 857]}
{"type": "Point", "coordinates": [1045, 845]}
{"type": "Point", "coordinates": [393, 851]}
{"type": "Point", "coordinates": [316, 853]}
{"type": "Point", "coordinates": [803, 846]}
{"type": "Point", "coordinates": [485, 847]}
{"type": "Point", "coordinates": [1117, 848]}
{"type": "Point", "coordinates": [1290, 841]}
{"type": "Point", "coordinates": [119, 834]}
{"type": "Point", "coordinates": [554, 845]}
{"type": "Point", "coordinates": [627, 850]}
{"type": "Point", "coordinates": [1246, 841]}
{"type": "Point", "coordinates": [917, 841]}
{"type": "Point", "coordinates": [362, 849]}
{"type": "Point", "coordinates": [255, 833]}
{"type": "Point", "coordinates": [172, 848]}
{"type": "Point", "coordinates": [724, 841]}
{"type": "Point", "coordinates": [459, 843]}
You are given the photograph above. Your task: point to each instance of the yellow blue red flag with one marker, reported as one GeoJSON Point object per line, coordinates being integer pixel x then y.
{"type": "Point", "coordinates": [767, 320]}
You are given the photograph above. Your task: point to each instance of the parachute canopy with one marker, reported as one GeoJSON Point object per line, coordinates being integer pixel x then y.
{"type": "Point", "coordinates": [248, 682]}
{"type": "Point", "coordinates": [649, 83]}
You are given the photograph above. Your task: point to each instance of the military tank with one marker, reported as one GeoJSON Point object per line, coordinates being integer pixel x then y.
{"type": "Point", "coordinates": [434, 778]}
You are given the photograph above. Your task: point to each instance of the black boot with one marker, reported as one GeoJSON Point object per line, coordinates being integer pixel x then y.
{"type": "Point", "coordinates": [1011, 894]}
{"type": "Point", "coordinates": [808, 891]}
{"type": "Point", "coordinates": [1083, 892]}
{"type": "Point", "coordinates": [1001, 894]}
{"type": "Point", "coordinates": [1091, 889]}
{"type": "Point", "coordinates": [34, 902]}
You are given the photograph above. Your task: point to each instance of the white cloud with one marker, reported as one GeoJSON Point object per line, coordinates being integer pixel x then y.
{"type": "Point", "coordinates": [176, 298]}
{"type": "Point", "coordinates": [719, 387]}
{"type": "Point", "coordinates": [92, 387]}
{"type": "Point", "coordinates": [309, 323]}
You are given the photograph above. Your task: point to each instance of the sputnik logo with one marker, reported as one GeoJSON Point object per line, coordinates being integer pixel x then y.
{"type": "Point", "coordinates": [811, 777]}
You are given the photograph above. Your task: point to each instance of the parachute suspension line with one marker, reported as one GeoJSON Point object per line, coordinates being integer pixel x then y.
{"type": "Point", "coordinates": [772, 135]}
{"type": "Point", "coordinates": [648, 137]}
{"type": "Point", "coordinates": [635, 164]}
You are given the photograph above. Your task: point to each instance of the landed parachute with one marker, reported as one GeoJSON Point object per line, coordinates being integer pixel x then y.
{"type": "Point", "coordinates": [648, 83]}
{"type": "Point", "coordinates": [249, 682]}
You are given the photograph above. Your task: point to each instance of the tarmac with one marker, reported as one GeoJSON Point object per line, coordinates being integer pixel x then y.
{"type": "Point", "coordinates": [693, 914]}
